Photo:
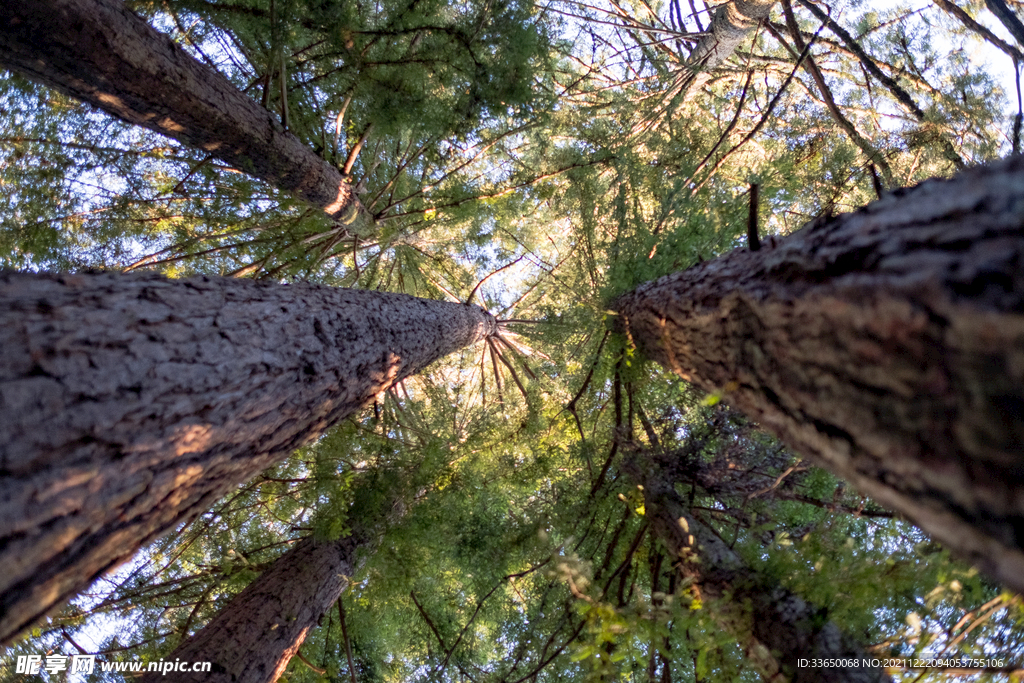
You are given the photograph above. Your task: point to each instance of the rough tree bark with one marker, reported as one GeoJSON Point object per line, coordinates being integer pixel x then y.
{"type": "Point", "coordinates": [254, 636]}
{"type": "Point", "coordinates": [130, 403]}
{"type": "Point", "coordinates": [888, 344]}
{"type": "Point", "coordinates": [733, 22]}
{"type": "Point", "coordinates": [252, 639]}
{"type": "Point", "coordinates": [100, 52]}
{"type": "Point", "coordinates": [773, 626]}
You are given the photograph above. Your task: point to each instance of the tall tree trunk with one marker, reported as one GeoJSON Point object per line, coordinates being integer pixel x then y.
{"type": "Point", "coordinates": [734, 21]}
{"type": "Point", "coordinates": [252, 639]}
{"type": "Point", "coordinates": [254, 636]}
{"type": "Point", "coordinates": [100, 52]}
{"type": "Point", "coordinates": [888, 344]}
{"type": "Point", "coordinates": [130, 403]}
{"type": "Point", "coordinates": [774, 627]}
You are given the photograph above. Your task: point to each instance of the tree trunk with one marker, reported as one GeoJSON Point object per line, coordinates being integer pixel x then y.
{"type": "Point", "coordinates": [733, 22]}
{"type": "Point", "coordinates": [130, 403]}
{"type": "Point", "coordinates": [774, 627]}
{"type": "Point", "coordinates": [254, 636]}
{"type": "Point", "coordinates": [1008, 18]}
{"type": "Point", "coordinates": [252, 639]}
{"type": "Point", "coordinates": [100, 52]}
{"type": "Point", "coordinates": [888, 344]}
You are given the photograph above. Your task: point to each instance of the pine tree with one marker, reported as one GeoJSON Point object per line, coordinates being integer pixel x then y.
{"type": "Point", "coordinates": [119, 63]}
{"type": "Point", "coordinates": [775, 627]}
{"type": "Point", "coordinates": [530, 554]}
{"type": "Point", "coordinates": [132, 403]}
{"type": "Point", "coordinates": [882, 342]}
{"type": "Point", "coordinates": [732, 24]}
{"type": "Point", "coordinates": [255, 635]}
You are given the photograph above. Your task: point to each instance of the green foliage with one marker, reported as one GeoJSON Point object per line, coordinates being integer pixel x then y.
{"type": "Point", "coordinates": [545, 155]}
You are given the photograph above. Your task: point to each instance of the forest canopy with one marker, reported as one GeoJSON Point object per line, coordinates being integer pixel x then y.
{"type": "Point", "coordinates": [544, 502]}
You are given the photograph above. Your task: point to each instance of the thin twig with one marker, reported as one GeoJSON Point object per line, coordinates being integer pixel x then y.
{"type": "Point", "coordinates": [501, 357]}
{"type": "Point", "coordinates": [507, 265]}
{"type": "Point", "coordinates": [348, 643]}
{"type": "Point", "coordinates": [351, 160]}
{"type": "Point", "coordinates": [313, 667]}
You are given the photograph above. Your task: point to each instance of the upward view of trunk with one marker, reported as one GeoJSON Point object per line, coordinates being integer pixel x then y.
{"type": "Point", "coordinates": [252, 639]}
{"type": "Point", "coordinates": [887, 344]}
{"type": "Point", "coordinates": [733, 22]}
{"type": "Point", "coordinates": [130, 403]}
{"type": "Point", "coordinates": [775, 627]}
{"type": "Point", "coordinates": [100, 52]}
{"type": "Point", "coordinates": [254, 636]}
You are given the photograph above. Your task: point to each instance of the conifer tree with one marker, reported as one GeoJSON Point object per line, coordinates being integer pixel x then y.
{"type": "Point", "coordinates": [254, 636]}
{"type": "Point", "coordinates": [116, 61]}
{"type": "Point", "coordinates": [732, 24]}
{"type": "Point", "coordinates": [133, 402]}
{"type": "Point", "coordinates": [775, 627]}
{"type": "Point", "coordinates": [882, 342]}
{"type": "Point", "coordinates": [531, 554]}
{"type": "Point", "coordinates": [408, 64]}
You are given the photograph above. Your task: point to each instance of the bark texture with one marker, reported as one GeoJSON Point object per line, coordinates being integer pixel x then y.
{"type": "Point", "coordinates": [130, 403]}
{"type": "Point", "coordinates": [254, 637]}
{"type": "Point", "coordinates": [100, 52]}
{"type": "Point", "coordinates": [733, 22]}
{"type": "Point", "coordinates": [887, 344]}
{"type": "Point", "coordinates": [774, 626]}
